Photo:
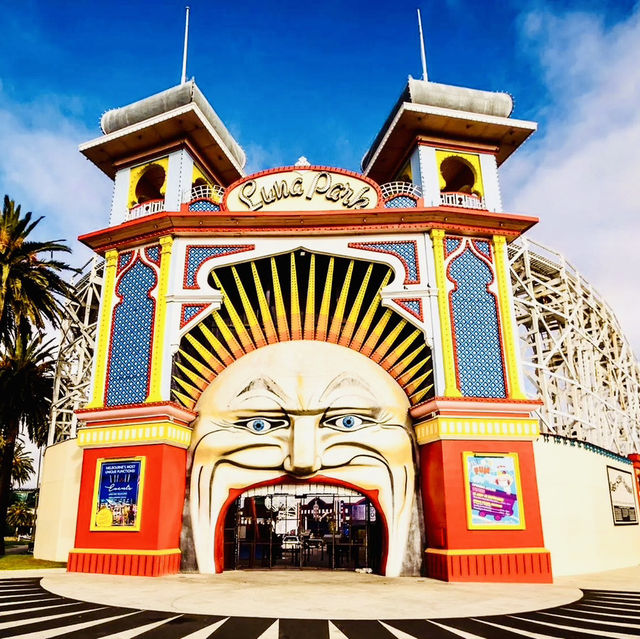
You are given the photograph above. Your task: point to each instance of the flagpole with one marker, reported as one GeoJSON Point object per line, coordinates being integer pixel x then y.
{"type": "Point", "coordinates": [186, 42]}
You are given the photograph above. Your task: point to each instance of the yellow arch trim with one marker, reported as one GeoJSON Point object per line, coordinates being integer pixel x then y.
{"type": "Point", "coordinates": [506, 317]}
{"type": "Point", "coordinates": [136, 174]}
{"type": "Point", "coordinates": [473, 159]}
{"type": "Point", "coordinates": [104, 332]}
{"type": "Point", "coordinates": [450, 382]}
{"type": "Point", "coordinates": [155, 385]}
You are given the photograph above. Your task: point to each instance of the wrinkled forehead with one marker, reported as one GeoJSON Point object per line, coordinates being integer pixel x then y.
{"type": "Point", "coordinates": [303, 375]}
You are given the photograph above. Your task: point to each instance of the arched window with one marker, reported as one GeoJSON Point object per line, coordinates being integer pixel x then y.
{"type": "Point", "coordinates": [458, 175]}
{"type": "Point", "coordinates": [150, 184]}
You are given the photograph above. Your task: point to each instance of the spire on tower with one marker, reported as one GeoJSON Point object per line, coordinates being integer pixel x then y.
{"type": "Point", "coordinates": [423, 55]}
{"type": "Point", "coordinates": [186, 42]}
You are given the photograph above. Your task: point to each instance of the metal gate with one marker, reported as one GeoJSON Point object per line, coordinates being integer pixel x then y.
{"type": "Point", "coordinates": [322, 531]}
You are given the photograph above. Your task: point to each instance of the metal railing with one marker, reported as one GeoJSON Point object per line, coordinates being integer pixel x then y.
{"type": "Point", "coordinates": [392, 189]}
{"type": "Point", "coordinates": [205, 191]}
{"type": "Point", "coordinates": [146, 208]}
{"type": "Point", "coordinates": [463, 200]}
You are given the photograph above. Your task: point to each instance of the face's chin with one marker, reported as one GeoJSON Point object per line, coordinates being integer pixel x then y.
{"type": "Point", "coordinates": [344, 423]}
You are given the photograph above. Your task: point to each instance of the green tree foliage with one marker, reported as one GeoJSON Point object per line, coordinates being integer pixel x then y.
{"type": "Point", "coordinates": [23, 468]}
{"type": "Point", "coordinates": [31, 287]}
{"type": "Point", "coordinates": [19, 515]}
{"type": "Point", "coordinates": [32, 293]}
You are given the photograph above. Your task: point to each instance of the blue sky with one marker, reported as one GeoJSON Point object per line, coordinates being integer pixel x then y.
{"type": "Point", "coordinates": [318, 79]}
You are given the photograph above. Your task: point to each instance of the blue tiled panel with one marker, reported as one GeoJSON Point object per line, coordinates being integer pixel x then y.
{"type": "Point", "coordinates": [413, 305]}
{"type": "Point", "coordinates": [153, 253]}
{"type": "Point", "coordinates": [483, 247]}
{"type": "Point", "coordinates": [477, 332]}
{"type": "Point", "coordinates": [124, 259]}
{"type": "Point", "coordinates": [189, 312]}
{"type": "Point", "coordinates": [451, 244]}
{"type": "Point", "coordinates": [196, 255]}
{"type": "Point", "coordinates": [406, 251]}
{"type": "Point", "coordinates": [131, 338]}
{"type": "Point", "coordinates": [204, 205]}
{"type": "Point", "coordinates": [400, 202]}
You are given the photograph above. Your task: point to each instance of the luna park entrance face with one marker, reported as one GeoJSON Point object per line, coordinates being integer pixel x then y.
{"type": "Point", "coordinates": [303, 526]}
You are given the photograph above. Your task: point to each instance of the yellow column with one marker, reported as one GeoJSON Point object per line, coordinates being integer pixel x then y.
{"type": "Point", "coordinates": [104, 330]}
{"type": "Point", "coordinates": [450, 381]}
{"type": "Point", "coordinates": [506, 317]}
{"type": "Point", "coordinates": [155, 386]}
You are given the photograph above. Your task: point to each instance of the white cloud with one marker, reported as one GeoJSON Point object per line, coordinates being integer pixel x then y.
{"type": "Point", "coordinates": [581, 172]}
{"type": "Point", "coordinates": [41, 169]}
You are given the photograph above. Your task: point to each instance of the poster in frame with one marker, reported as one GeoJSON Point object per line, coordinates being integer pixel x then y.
{"type": "Point", "coordinates": [622, 495]}
{"type": "Point", "coordinates": [493, 491]}
{"type": "Point", "coordinates": [117, 494]}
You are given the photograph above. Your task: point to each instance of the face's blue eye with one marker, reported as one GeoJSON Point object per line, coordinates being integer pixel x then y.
{"type": "Point", "coordinates": [262, 425]}
{"type": "Point", "coordinates": [348, 422]}
{"type": "Point", "coordinates": [258, 425]}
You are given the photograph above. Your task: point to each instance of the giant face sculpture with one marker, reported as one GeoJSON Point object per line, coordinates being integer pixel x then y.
{"type": "Point", "coordinates": [314, 411]}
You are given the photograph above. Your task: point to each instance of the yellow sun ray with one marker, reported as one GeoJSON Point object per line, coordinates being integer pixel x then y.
{"type": "Point", "coordinates": [265, 313]}
{"type": "Point", "coordinates": [200, 382]}
{"type": "Point", "coordinates": [412, 386]}
{"type": "Point", "coordinates": [254, 325]}
{"type": "Point", "coordinates": [399, 350]}
{"type": "Point", "coordinates": [365, 324]}
{"type": "Point", "coordinates": [208, 370]}
{"type": "Point", "coordinates": [217, 345]}
{"type": "Point", "coordinates": [376, 333]}
{"type": "Point", "coordinates": [310, 312]}
{"type": "Point", "coordinates": [191, 390]}
{"type": "Point", "coordinates": [416, 397]}
{"type": "Point", "coordinates": [336, 323]}
{"type": "Point", "coordinates": [281, 313]}
{"type": "Point", "coordinates": [296, 326]}
{"type": "Point", "coordinates": [387, 342]}
{"type": "Point", "coordinates": [406, 377]}
{"type": "Point", "coordinates": [323, 315]}
{"type": "Point", "coordinates": [187, 402]}
{"type": "Point", "coordinates": [397, 370]}
{"type": "Point", "coordinates": [238, 324]}
{"type": "Point", "coordinates": [352, 318]}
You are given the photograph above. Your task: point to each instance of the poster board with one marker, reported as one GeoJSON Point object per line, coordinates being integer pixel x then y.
{"type": "Point", "coordinates": [493, 491]}
{"type": "Point", "coordinates": [117, 494]}
{"type": "Point", "coordinates": [622, 494]}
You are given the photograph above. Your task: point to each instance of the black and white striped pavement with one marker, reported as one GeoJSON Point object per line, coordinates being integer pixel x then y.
{"type": "Point", "coordinates": [28, 611]}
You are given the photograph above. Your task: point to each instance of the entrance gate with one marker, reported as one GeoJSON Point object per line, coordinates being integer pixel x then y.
{"type": "Point", "coordinates": [329, 528]}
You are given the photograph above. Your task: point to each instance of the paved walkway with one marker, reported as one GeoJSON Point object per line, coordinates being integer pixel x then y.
{"type": "Point", "coordinates": [298, 605]}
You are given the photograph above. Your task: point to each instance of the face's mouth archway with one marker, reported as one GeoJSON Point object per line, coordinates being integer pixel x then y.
{"type": "Point", "coordinates": [318, 487]}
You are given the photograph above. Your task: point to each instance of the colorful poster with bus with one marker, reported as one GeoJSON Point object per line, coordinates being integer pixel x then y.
{"type": "Point", "coordinates": [493, 491]}
{"type": "Point", "coordinates": [118, 494]}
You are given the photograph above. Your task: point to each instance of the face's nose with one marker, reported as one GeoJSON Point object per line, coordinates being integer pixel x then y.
{"type": "Point", "coordinates": [303, 456]}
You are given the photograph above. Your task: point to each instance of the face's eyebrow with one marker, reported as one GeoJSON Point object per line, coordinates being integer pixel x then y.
{"type": "Point", "coordinates": [347, 381]}
{"type": "Point", "coordinates": [265, 384]}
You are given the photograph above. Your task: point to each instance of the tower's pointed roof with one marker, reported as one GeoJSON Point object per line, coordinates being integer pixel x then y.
{"type": "Point", "coordinates": [177, 114]}
{"type": "Point", "coordinates": [446, 112]}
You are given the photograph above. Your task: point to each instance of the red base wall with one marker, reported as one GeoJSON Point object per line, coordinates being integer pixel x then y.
{"type": "Point", "coordinates": [116, 564]}
{"type": "Point", "coordinates": [160, 515]}
{"type": "Point", "coordinates": [445, 510]}
{"type": "Point", "coordinates": [510, 568]}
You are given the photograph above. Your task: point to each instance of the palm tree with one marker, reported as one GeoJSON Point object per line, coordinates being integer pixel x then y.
{"type": "Point", "coordinates": [31, 288]}
{"type": "Point", "coordinates": [23, 468]}
{"type": "Point", "coordinates": [20, 515]}
{"type": "Point", "coordinates": [26, 382]}
{"type": "Point", "coordinates": [32, 292]}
